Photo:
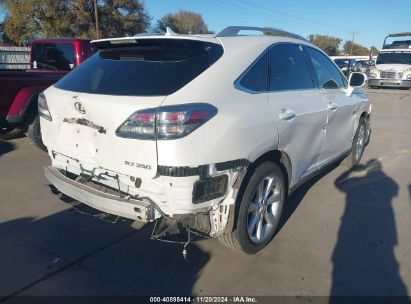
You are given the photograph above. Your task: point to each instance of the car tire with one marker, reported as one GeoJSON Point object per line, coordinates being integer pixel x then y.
{"type": "Point", "coordinates": [358, 145]}
{"type": "Point", "coordinates": [34, 134]}
{"type": "Point", "coordinates": [11, 133]}
{"type": "Point", "coordinates": [259, 211]}
{"type": "Point", "coordinates": [368, 131]}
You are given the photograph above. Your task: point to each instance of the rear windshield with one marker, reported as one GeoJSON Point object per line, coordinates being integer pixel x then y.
{"type": "Point", "coordinates": [150, 67]}
{"type": "Point", "coordinates": [52, 56]}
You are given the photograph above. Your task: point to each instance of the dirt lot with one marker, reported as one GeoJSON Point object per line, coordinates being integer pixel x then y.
{"type": "Point", "coordinates": [344, 233]}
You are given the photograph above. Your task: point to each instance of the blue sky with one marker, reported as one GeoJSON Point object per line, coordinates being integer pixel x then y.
{"type": "Point", "coordinates": [370, 19]}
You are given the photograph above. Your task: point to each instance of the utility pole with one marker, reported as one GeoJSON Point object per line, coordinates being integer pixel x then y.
{"type": "Point", "coordinates": [96, 16]}
{"type": "Point", "coordinates": [352, 41]}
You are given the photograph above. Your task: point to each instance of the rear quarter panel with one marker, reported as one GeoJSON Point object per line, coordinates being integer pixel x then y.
{"type": "Point", "coordinates": [243, 128]}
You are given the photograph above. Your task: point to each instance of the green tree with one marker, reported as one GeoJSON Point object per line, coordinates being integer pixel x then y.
{"type": "Point", "coordinates": [30, 19]}
{"type": "Point", "coordinates": [373, 50]}
{"type": "Point", "coordinates": [328, 44]}
{"type": "Point", "coordinates": [123, 18]}
{"type": "Point", "coordinates": [20, 25]}
{"type": "Point", "coordinates": [183, 22]}
{"type": "Point", "coordinates": [357, 49]}
{"type": "Point", "coordinates": [83, 11]}
{"type": "Point", "coordinates": [3, 36]}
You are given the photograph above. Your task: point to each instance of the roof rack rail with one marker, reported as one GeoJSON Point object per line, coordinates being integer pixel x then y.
{"type": "Point", "coordinates": [234, 30]}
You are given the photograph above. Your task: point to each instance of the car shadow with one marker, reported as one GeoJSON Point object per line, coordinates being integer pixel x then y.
{"type": "Point", "coordinates": [6, 147]}
{"type": "Point", "coordinates": [363, 260]}
{"type": "Point", "coordinates": [294, 200]}
{"type": "Point", "coordinates": [68, 253]}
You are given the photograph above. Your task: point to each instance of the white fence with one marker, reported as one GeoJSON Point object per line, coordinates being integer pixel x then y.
{"type": "Point", "coordinates": [353, 57]}
{"type": "Point", "coordinates": [14, 57]}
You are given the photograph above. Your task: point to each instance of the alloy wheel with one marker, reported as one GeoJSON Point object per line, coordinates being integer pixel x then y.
{"type": "Point", "coordinates": [263, 209]}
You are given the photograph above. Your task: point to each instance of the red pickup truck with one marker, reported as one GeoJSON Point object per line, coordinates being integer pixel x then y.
{"type": "Point", "coordinates": [50, 60]}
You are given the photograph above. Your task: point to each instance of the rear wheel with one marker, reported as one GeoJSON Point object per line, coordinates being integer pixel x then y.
{"type": "Point", "coordinates": [259, 211]}
{"type": "Point", "coordinates": [34, 134]}
{"type": "Point", "coordinates": [358, 144]}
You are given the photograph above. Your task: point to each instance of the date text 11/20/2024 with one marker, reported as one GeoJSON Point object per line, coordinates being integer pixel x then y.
{"type": "Point", "coordinates": [204, 299]}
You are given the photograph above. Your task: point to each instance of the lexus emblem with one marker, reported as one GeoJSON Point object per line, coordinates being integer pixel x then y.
{"type": "Point", "coordinates": [79, 107]}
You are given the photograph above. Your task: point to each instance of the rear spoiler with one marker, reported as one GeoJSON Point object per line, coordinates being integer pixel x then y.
{"type": "Point", "coordinates": [230, 31]}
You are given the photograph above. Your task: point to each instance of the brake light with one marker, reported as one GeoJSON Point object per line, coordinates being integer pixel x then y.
{"type": "Point", "coordinates": [43, 108]}
{"type": "Point", "coordinates": [169, 122]}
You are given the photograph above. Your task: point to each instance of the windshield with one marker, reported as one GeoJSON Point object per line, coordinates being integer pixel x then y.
{"type": "Point", "coordinates": [151, 67]}
{"type": "Point", "coordinates": [399, 57]}
{"type": "Point", "coordinates": [53, 56]}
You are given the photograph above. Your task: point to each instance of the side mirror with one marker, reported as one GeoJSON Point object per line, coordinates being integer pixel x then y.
{"type": "Point", "coordinates": [356, 80]}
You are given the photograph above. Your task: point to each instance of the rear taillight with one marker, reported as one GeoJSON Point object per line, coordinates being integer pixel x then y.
{"type": "Point", "coordinates": [169, 122]}
{"type": "Point", "coordinates": [43, 107]}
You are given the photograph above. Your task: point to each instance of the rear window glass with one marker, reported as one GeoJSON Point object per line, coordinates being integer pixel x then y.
{"type": "Point", "coordinates": [151, 67]}
{"type": "Point", "coordinates": [53, 56]}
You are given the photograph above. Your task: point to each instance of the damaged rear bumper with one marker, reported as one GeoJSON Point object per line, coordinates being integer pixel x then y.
{"type": "Point", "coordinates": [138, 210]}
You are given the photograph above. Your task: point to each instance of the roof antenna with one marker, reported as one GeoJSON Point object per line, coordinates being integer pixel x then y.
{"type": "Point", "coordinates": [170, 32]}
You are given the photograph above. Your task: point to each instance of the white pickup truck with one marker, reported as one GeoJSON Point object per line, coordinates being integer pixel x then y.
{"type": "Point", "coordinates": [393, 66]}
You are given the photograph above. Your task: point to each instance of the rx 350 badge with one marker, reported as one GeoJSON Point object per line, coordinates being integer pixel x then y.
{"type": "Point", "coordinates": [137, 165]}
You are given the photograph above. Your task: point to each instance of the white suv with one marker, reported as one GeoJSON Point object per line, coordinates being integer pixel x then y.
{"type": "Point", "coordinates": [208, 133]}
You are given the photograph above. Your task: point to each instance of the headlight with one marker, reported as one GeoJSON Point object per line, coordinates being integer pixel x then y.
{"type": "Point", "coordinates": [373, 74]}
{"type": "Point", "coordinates": [408, 76]}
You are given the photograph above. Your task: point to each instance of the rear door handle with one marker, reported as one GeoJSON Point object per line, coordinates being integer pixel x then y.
{"type": "Point", "coordinates": [332, 106]}
{"type": "Point", "coordinates": [287, 115]}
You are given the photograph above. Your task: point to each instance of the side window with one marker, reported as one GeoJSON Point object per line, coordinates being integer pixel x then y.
{"type": "Point", "coordinates": [255, 78]}
{"type": "Point", "coordinates": [328, 75]}
{"type": "Point", "coordinates": [289, 69]}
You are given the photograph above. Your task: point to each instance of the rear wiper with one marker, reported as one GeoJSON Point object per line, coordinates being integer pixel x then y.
{"type": "Point", "coordinates": [85, 122]}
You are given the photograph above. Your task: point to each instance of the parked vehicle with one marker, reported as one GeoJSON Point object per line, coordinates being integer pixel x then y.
{"type": "Point", "coordinates": [365, 66]}
{"type": "Point", "coordinates": [348, 65]}
{"type": "Point", "coordinates": [393, 66]}
{"type": "Point", "coordinates": [50, 60]}
{"type": "Point", "coordinates": [210, 133]}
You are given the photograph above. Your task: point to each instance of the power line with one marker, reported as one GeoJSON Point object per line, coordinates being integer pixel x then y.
{"type": "Point", "coordinates": [267, 14]}
{"type": "Point", "coordinates": [291, 16]}
{"type": "Point", "coordinates": [248, 12]}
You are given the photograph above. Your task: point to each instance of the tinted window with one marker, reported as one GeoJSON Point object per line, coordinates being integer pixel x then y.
{"type": "Point", "coordinates": [52, 56]}
{"type": "Point", "coordinates": [256, 77]}
{"type": "Point", "coordinates": [328, 75]}
{"type": "Point", "coordinates": [288, 69]}
{"type": "Point", "coordinates": [151, 67]}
